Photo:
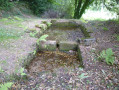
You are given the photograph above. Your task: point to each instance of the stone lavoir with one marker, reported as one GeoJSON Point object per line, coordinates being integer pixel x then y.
{"type": "Point", "coordinates": [61, 48]}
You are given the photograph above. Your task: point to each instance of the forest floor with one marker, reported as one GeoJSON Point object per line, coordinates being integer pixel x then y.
{"type": "Point", "coordinates": [96, 75]}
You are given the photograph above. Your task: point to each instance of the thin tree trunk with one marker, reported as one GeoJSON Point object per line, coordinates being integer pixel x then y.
{"type": "Point", "coordinates": [77, 9]}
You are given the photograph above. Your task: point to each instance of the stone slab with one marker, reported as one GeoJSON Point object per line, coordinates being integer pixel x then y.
{"type": "Point", "coordinates": [79, 53]}
{"type": "Point", "coordinates": [89, 41]}
{"type": "Point", "coordinates": [67, 45]}
{"type": "Point", "coordinates": [47, 45]}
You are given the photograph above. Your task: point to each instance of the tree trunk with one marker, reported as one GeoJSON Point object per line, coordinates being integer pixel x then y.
{"type": "Point", "coordinates": [77, 8]}
{"type": "Point", "coordinates": [81, 7]}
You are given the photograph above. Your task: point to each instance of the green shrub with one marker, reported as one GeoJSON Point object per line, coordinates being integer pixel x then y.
{"type": "Point", "coordinates": [108, 55]}
{"type": "Point", "coordinates": [117, 37]}
{"type": "Point", "coordinates": [105, 28]}
{"type": "Point", "coordinates": [6, 86]}
{"type": "Point", "coordinates": [39, 6]}
{"type": "Point", "coordinates": [5, 4]}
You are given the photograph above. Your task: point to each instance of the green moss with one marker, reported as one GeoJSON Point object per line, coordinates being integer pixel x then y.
{"type": "Point", "coordinates": [80, 57]}
{"type": "Point", "coordinates": [117, 36]}
{"type": "Point", "coordinates": [83, 20]}
{"type": "Point", "coordinates": [32, 29]}
{"type": "Point", "coordinates": [84, 30]}
{"type": "Point", "coordinates": [38, 26]}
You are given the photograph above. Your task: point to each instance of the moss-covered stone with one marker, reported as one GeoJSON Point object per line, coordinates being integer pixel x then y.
{"type": "Point", "coordinates": [80, 56]}
{"type": "Point", "coordinates": [42, 26]}
{"type": "Point", "coordinates": [47, 45]}
{"type": "Point", "coordinates": [47, 23]}
{"type": "Point", "coordinates": [30, 30]}
{"type": "Point", "coordinates": [44, 22]}
{"type": "Point", "coordinates": [65, 24]}
{"type": "Point", "coordinates": [53, 21]}
{"type": "Point", "coordinates": [38, 26]}
{"type": "Point", "coordinates": [89, 41]}
{"type": "Point", "coordinates": [85, 32]}
{"type": "Point", "coordinates": [67, 45]}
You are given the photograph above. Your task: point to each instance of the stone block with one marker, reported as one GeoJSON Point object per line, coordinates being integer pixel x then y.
{"type": "Point", "coordinates": [89, 41]}
{"type": "Point", "coordinates": [79, 53]}
{"type": "Point", "coordinates": [47, 45]}
{"type": "Point", "coordinates": [67, 45]}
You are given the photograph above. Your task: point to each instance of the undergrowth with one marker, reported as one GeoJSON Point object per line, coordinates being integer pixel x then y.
{"type": "Point", "coordinates": [108, 55]}
{"type": "Point", "coordinates": [117, 37]}
{"type": "Point", "coordinates": [105, 28]}
{"type": "Point", "coordinates": [16, 21]}
{"type": "Point", "coordinates": [6, 86]}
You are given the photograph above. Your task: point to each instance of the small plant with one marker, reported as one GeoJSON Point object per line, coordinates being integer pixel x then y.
{"type": "Point", "coordinates": [1, 70]}
{"type": "Point", "coordinates": [3, 19]}
{"type": "Point", "coordinates": [33, 34]}
{"type": "Point", "coordinates": [105, 28]}
{"type": "Point", "coordinates": [42, 38]}
{"type": "Point", "coordinates": [83, 76]}
{"type": "Point", "coordinates": [34, 52]}
{"type": "Point", "coordinates": [117, 37]}
{"type": "Point", "coordinates": [6, 86]}
{"type": "Point", "coordinates": [108, 55]}
{"type": "Point", "coordinates": [22, 72]}
{"type": "Point", "coordinates": [48, 24]}
{"type": "Point", "coordinates": [17, 18]}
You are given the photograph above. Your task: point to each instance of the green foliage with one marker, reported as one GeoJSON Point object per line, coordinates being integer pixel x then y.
{"type": "Point", "coordinates": [48, 24]}
{"type": "Point", "coordinates": [83, 76]}
{"type": "Point", "coordinates": [108, 55]}
{"type": "Point", "coordinates": [1, 70]}
{"type": "Point", "coordinates": [33, 34]}
{"type": "Point", "coordinates": [42, 38]}
{"type": "Point", "coordinates": [5, 4]}
{"type": "Point", "coordinates": [22, 72]}
{"type": "Point", "coordinates": [39, 6]}
{"type": "Point", "coordinates": [64, 7]}
{"type": "Point", "coordinates": [18, 18]}
{"type": "Point", "coordinates": [105, 28]}
{"type": "Point", "coordinates": [111, 5]}
{"type": "Point", "coordinates": [6, 86]}
{"type": "Point", "coordinates": [12, 20]}
{"type": "Point", "coordinates": [117, 36]}
{"type": "Point", "coordinates": [80, 7]}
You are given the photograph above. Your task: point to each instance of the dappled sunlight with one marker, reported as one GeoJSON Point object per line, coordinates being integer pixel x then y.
{"type": "Point", "coordinates": [101, 15]}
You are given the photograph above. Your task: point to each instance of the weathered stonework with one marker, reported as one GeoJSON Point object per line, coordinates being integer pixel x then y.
{"type": "Point", "coordinates": [67, 45]}
{"type": "Point", "coordinates": [47, 45]}
{"type": "Point", "coordinates": [80, 56]}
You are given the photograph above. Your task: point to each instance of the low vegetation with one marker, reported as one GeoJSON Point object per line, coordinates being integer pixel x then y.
{"type": "Point", "coordinates": [6, 34]}
{"type": "Point", "coordinates": [5, 86]}
{"type": "Point", "coordinates": [108, 55]}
